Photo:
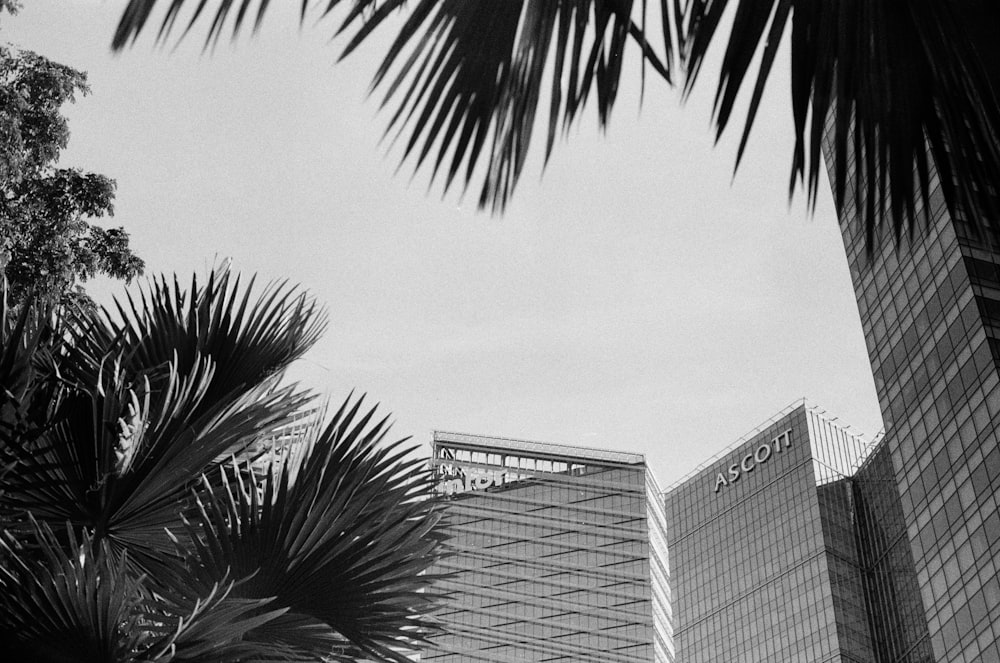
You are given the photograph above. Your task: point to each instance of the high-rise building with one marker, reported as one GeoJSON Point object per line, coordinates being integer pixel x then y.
{"type": "Point", "coordinates": [800, 543]}
{"type": "Point", "coordinates": [765, 557]}
{"type": "Point", "coordinates": [557, 554]}
{"type": "Point", "coordinates": [930, 310]}
{"type": "Point", "coordinates": [896, 619]}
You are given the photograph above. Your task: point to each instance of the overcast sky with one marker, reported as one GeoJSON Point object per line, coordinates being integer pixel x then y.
{"type": "Point", "coordinates": [634, 296]}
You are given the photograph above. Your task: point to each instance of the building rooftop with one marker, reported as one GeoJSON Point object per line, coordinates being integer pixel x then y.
{"type": "Point", "coordinates": [547, 449]}
{"type": "Point", "coordinates": [784, 412]}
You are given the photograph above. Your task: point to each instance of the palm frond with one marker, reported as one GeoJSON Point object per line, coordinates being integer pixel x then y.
{"type": "Point", "coordinates": [79, 602]}
{"type": "Point", "coordinates": [21, 332]}
{"type": "Point", "coordinates": [30, 338]}
{"type": "Point", "coordinates": [152, 400]}
{"type": "Point", "coordinates": [468, 75]}
{"type": "Point", "coordinates": [56, 606]}
{"type": "Point", "coordinates": [894, 80]}
{"type": "Point", "coordinates": [138, 12]}
{"type": "Point", "coordinates": [903, 89]}
{"type": "Point", "coordinates": [340, 539]}
{"type": "Point", "coordinates": [213, 627]}
{"type": "Point", "coordinates": [248, 338]}
{"type": "Point", "coordinates": [29, 385]}
{"type": "Point", "coordinates": [123, 537]}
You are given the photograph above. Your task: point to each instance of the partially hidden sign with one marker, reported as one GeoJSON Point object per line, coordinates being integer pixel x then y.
{"type": "Point", "coordinates": [456, 480]}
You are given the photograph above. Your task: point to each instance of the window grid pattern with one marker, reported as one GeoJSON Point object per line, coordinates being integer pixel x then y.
{"type": "Point", "coordinates": [929, 314]}
{"type": "Point", "coordinates": [895, 611]}
{"type": "Point", "coordinates": [766, 568]}
{"type": "Point", "coordinates": [563, 560]}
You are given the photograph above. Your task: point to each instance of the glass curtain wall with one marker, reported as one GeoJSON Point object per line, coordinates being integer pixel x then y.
{"type": "Point", "coordinates": [763, 552]}
{"type": "Point", "coordinates": [930, 311]}
{"type": "Point", "coordinates": [557, 555]}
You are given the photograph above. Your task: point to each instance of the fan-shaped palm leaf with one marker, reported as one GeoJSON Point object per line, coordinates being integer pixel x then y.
{"type": "Point", "coordinates": [895, 79]}
{"type": "Point", "coordinates": [162, 555]}
{"type": "Point", "coordinates": [83, 604]}
{"type": "Point", "coordinates": [340, 538]}
{"type": "Point", "coordinates": [247, 338]}
{"type": "Point", "coordinates": [150, 401]}
{"type": "Point", "coordinates": [58, 606]}
{"type": "Point", "coordinates": [469, 74]}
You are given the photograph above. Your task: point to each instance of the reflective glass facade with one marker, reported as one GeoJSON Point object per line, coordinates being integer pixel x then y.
{"type": "Point", "coordinates": [763, 548]}
{"type": "Point", "coordinates": [558, 554]}
{"type": "Point", "coordinates": [896, 613]}
{"type": "Point", "coordinates": [930, 310]}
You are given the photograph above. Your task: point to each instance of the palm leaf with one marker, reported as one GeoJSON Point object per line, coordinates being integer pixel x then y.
{"type": "Point", "coordinates": [81, 603]}
{"type": "Point", "coordinates": [30, 338]}
{"type": "Point", "coordinates": [151, 401]}
{"type": "Point", "coordinates": [340, 538]}
{"type": "Point", "coordinates": [890, 82]}
{"type": "Point", "coordinates": [68, 607]}
{"type": "Point", "coordinates": [901, 88]}
{"type": "Point", "coordinates": [21, 338]}
{"type": "Point", "coordinates": [247, 338]}
{"type": "Point", "coordinates": [160, 554]}
{"type": "Point", "coordinates": [468, 75]}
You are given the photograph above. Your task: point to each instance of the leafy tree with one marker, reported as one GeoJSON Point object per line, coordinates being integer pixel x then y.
{"type": "Point", "coordinates": [138, 520]}
{"type": "Point", "coordinates": [909, 84]}
{"type": "Point", "coordinates": [47, 243]}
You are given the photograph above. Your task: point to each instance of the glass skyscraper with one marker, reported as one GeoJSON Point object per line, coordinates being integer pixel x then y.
{"type": "Point", "coordinates": [895, 611]}
{"type": "Point", "coordinates": [557, 554]}
{"type": "Point", "coordinates": [801, 543]}
{"type": "Point", "coordinates": [765, 557]}
{"type": "Point", "coordinates": [930, 310]}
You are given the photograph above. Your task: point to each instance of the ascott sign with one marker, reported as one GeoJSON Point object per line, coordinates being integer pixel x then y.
{"type": "Point", "coordinates": [759, 456]}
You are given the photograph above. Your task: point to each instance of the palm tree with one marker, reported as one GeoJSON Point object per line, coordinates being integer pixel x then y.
{"type": "Point", "coordinates": [911, 86]}
{"type": "Point", "coordinates": [138, 520]}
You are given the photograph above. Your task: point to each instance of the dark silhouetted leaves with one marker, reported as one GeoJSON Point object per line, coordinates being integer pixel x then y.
{"type": "Point", "coordinates": [466, 77]}
{"type": "Point", "coordinates": [123, 535]}
{"type": "Point", "coordinates": [907, 87]}
{"type": "Point", "coordinates": [894, 83]}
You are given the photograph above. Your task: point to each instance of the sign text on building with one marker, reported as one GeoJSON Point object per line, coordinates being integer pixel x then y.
{"type": "Point", "coordinates": [761, 455]}
{"type": "Point", "coordinates": [471, 479]}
